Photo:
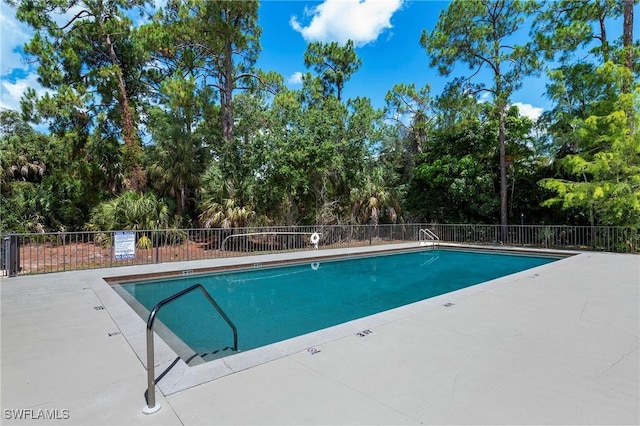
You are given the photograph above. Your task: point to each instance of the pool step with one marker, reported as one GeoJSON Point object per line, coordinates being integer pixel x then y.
{"type": "Point", "coordinates": [209, 356]}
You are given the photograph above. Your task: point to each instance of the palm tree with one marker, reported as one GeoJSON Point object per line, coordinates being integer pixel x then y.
{"type": "Point", "coordinates": [174, 172]}
{"type": "Point", "coordinates": [221, 205]}
{"type": "Point", "coordinates": [373, 200]}
{"type": "Point", "coordinates": [130, 210]}
{"type": "Point", "coordinates": [178, 156]}
{"type": "Point", "coordinates": [226, 214]}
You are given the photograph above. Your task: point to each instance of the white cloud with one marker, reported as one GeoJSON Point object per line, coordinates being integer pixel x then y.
{"type": "Point", "coordinates": [15, 74]}
{"type": "Point", "coordinates": [341, 20]}
{"type": "Point", "coordinates": [529, 110]}
{"type": "Point", "coordinates": [295, 78]}
{"type": "Point", "coordinates": [10, 93]}
{"type": "Point", "coordinates": [14, 36]}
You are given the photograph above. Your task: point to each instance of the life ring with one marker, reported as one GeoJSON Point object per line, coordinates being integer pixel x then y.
{"type": "Point", "coordinates": [315, 238]}
{"type": "Point", "coordinates": [315, 266]}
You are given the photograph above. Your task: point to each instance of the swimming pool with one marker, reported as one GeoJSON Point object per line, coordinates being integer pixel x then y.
{"type": "Point", "coordinates": [271, 304]}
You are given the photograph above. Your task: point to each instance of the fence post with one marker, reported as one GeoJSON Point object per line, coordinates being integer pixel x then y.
{"type": "Point", "coordinates": [3, 256]}
{"type": "Point", "coordinates": [186, 242]}
{"type": "Point", "coordinates": [157, 244]}
{"type": "Point", "coordinates": [11, 258]}
{"type": "Point", "coordinates": [64, 251]}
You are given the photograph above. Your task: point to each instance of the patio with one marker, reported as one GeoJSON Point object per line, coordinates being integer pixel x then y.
{"type": "Point", "coordinates": [558, 344]}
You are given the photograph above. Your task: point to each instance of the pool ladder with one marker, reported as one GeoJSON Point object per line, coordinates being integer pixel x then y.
{"type": "Point", "coordinates": [428, 238]}
{"type": "Point", "coordinates": [152, 406]}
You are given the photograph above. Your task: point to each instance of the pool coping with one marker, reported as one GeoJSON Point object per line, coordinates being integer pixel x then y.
{"type": "Point", "coordinates": [176, 375]}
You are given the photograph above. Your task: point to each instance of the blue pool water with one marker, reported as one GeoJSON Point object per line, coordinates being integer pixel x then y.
{"type": "Point", "coordinates": [268, 305]}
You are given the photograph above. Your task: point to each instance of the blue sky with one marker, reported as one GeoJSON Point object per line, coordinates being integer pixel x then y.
{"type": "Point", "coordinates": [387, 36]}
{"type": "Point", "coordinates": [386, 33]}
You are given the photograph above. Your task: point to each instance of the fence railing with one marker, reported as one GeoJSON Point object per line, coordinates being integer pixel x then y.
{"type": "Point", "coordinates": [67, 251]}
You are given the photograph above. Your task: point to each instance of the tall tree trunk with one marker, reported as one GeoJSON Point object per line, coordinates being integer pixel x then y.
{"type": "Point", "coordinates": [226, 98]}
{"type": "Point", "coordinates": [180, 196]}
{"type": "Point", "coordinates": [501, 104]}
{"type": "Point", "coordinates": [627, 33]}
{"type": "Point", "coordinates": [132, 149]}
{"type": "Point", "coordinates": [503, 173]}
{"type": "Point", "coordinates": [627, 43]}
{"type": "Point", "coordinates": [603, 9]}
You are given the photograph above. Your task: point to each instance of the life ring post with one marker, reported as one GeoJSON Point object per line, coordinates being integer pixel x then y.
{"type": "Point", "coordinates": [315, 239]}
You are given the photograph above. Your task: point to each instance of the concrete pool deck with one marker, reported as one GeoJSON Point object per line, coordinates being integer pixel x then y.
{"type": "Point", "coordinates": [557, 344]}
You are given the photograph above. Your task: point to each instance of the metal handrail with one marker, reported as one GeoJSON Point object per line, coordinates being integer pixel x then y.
{"type": "Point", "coordinates": [428, 233]}
{"type": "Point", "coordinates": [262, 233]}
{"type": "Point", "coordinates": [151, 406]}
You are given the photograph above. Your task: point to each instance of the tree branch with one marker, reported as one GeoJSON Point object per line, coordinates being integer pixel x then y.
{"type": "Point", "coordinates": [81, 14]}
{"type": "Point", "coordinates": [265, 85]}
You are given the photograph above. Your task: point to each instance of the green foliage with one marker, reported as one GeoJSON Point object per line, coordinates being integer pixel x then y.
{"type": "Point", "coordinates": [11, 123]}
{"type": "Point", "coordinates": [178, 157]}
{"type": "Point", "coordinates": [130, 210]}
{"type": "Point", "coordinates": [592, 122]}
{"type": "Point", "coordinates": [43, 186]}
{"type": "Point", "coordinates": [208, 51]}
{"type": "Point", "coordinates": [302, 156]}
{"type": "Point", "coordinates": [317, 150]}
{"type": "Point", "coordinates": [144, 242]}
{"type": "Point", "coordinates": [219, 41]}
{"type": "Point", "coordinates": [409, 109]}
{"type": "Point", "coordinates": [476, 33]}
{"type": "Point", "coordinates": [226, 215]}
{"type": "Point", "coordinates": [92, 66]}
{"type": "Point", "coordinates": [334, 65]}
{"type": "Point", "coordinates": [606, 183]}
{"type": "Point", "coordinates": [229, 145]}
{"type": "Point", "coordinates": [451, 189]}
{"type": "Point", "coordinates": [455, 178]}
{"type": "Point", "coordinates": [479, 33]}
{"type": "Point", "coordinates": [375, 202]}
{"type": "Point", "coordinates": [24, 156]}
{"type": "Point", "coordinates": [566, 26]}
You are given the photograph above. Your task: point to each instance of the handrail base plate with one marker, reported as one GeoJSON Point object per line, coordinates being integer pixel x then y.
{"type": "Point", "coordinates": [151, 410]}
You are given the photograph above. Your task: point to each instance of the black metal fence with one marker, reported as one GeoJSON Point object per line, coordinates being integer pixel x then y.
{"type": "Point", "coordinates": [67, 251]}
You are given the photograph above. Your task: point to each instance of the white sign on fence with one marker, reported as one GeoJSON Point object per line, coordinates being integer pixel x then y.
{"type": "Point", "coordinates": [124, 245]}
